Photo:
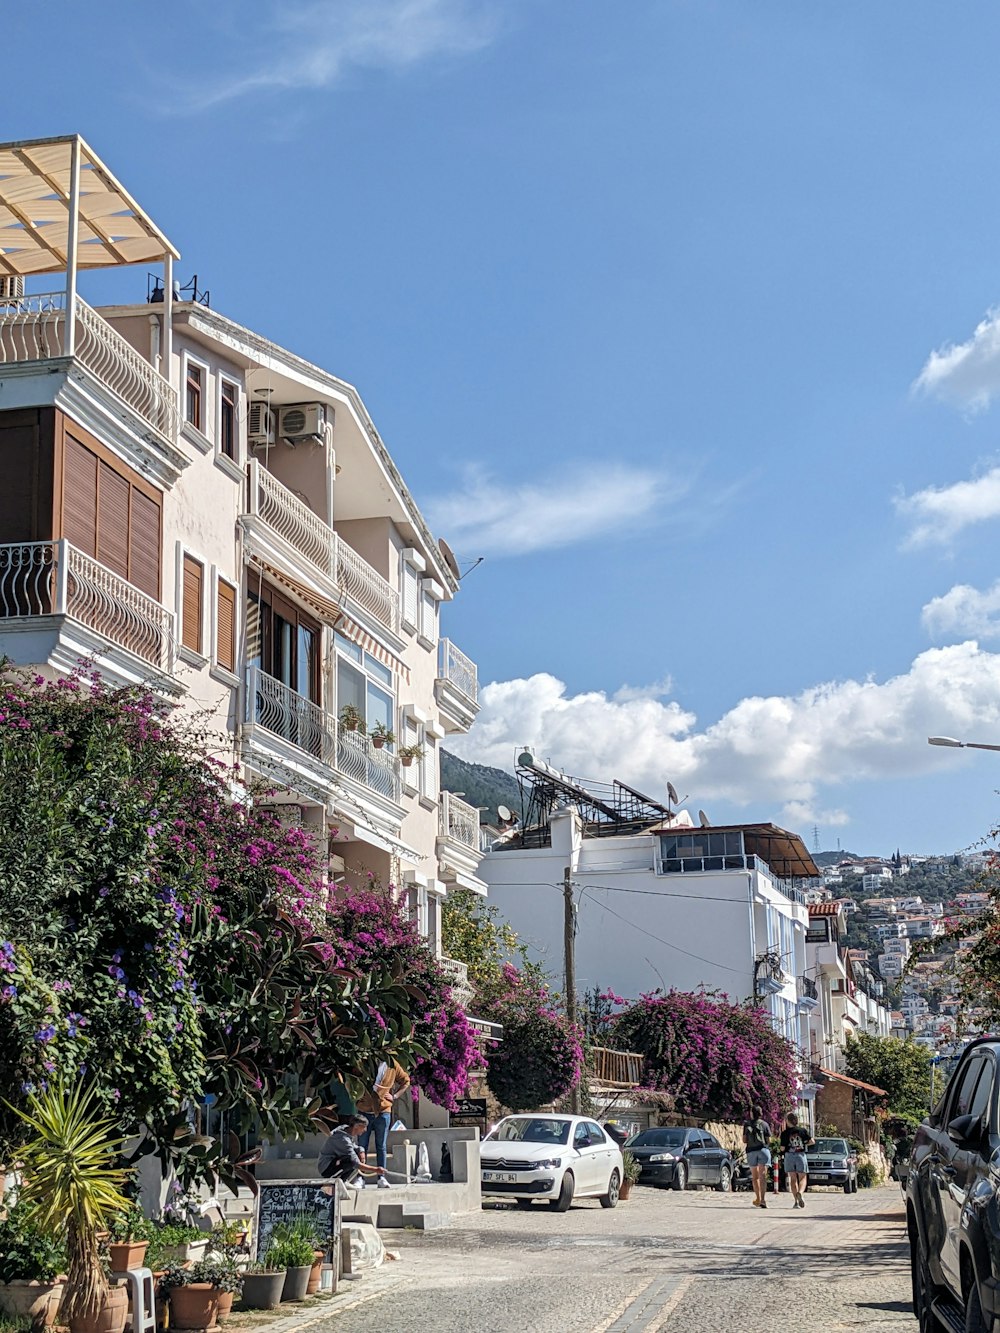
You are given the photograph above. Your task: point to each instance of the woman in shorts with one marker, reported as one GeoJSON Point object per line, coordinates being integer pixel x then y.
{"type": "Point", "coordinates": [794, 1142]}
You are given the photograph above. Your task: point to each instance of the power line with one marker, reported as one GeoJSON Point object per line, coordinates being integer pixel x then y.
{"type": "Point", "coordinates": [739, 971]}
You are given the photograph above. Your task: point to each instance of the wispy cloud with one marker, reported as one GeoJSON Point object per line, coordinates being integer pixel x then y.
{"type": "Point", "coordinates": [302, 44]}
{"type": "Point", "coordinates": [488, 516]}
{"type": "Point", "coordinates": [776, 753]}
{"type": "Point", "coordinates": [964, 610]}
{"type": "Point", "coordinates": [966, 374]}
{"type": "Point", "coordinates": [940, 513]}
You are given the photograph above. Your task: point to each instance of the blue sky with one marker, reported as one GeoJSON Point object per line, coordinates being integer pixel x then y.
{"type": "Point", "coordinates": [679, 313]}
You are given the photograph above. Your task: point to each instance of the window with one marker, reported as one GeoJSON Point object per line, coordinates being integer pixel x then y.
{"type": "Point", "coordinates": [283, 642]}
{"type": "Point", "coordinates": [225, 625]}
{"type": "Point", "coordinates": [364, 683]}
{"type": "Point", "coordinates": [413, 565]}
{"type": "Point", "coordinates": [192, 588]}
{"type": "Point", "coordinates": [428, 766]}
{"type": "Point", "coordinates": [194, 395]}
{"type": "Point", "coordinates": [597, 1134]}
{"type": "Point", "coordinates": [702, 851]}
{"type": "Point", "coordinates": [229, 396]}
{"type": "Point", "coordinates": [428, 610]}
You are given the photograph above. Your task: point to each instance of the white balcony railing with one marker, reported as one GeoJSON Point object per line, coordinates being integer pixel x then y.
{"type": "Point", "coordinates": [293, 520]}
{"type": "Point", "coordinates": [54, 578]}
{"type": "Point", "coordinates": [278, 709]}
{"type": "Point", "coordinates": [357, 758]}
{"type": "Point", "coordinates": [458, 820]}
{"type": "Point", "coordinates": [459, 670]}
{"type": "Point", "coordinates": [32, 329]}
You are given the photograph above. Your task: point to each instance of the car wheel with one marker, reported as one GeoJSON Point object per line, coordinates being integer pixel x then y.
{"type": "Point", "coordinates": [923, 1296]}
{"type": "Point", "coordinates": [561, 1205]}
{"type": "Point", "coordinates": [680, 1179]}
{"type": "Point", "coordinates": [725, 1180]}
{"type": "Point", "coordinates": [847, 1188]}
{"type": "Point", "coordinates": [974, 1320]}
{"type": "Point", "coordinates": [524, 1203]}
{"type": "Point", "coordinates": [610, 1200]}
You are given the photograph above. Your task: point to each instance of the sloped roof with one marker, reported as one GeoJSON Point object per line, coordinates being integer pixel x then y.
{"type": "Point", "coordinates": [824, 909]}
{"type": "Point", "coordinates": [854, 1082]}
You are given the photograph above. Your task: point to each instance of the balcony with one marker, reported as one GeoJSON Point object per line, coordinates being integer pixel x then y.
{"type": "Point", "coordinates": [458, 979]}
{"type": "Point", "coordinates": [620, 1069]}
{"type": "Point", "coordinates": [33, 328]}
{"type": "Point", "coordinates": [291, 531]}
{"type": "Point", "coordinates": [808, 994]}
{"type": "Point", "coordinates": [456, 688]}
{"type": "Point", "coordinates": [58, 605]}
{"type": "Point", "coordinates": [458, 843]}
{"type": "Point", "coordinates": [304, 747]}
{"type": "Point", "coordinates": [458, 820]}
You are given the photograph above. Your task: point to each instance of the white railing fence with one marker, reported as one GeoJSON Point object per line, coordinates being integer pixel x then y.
{"type": "Point", "coordinates": [459, 670]}
{"type": "Point", "coordinates": [32, 328]}
{"type": "Point", "coordinates": [280, 710]}
{"type": "Point", "coordinates": [54, 578]}
{"type": "Point", "coordinates": [365, 585]}
{"type": "Point", "coordinates": [357, 758]}
{"type": "Point", "coordinates": [458, 820]}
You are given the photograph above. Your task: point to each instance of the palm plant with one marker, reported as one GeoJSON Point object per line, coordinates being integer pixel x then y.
{"type": "Point", "coordinates": [70, 1185]}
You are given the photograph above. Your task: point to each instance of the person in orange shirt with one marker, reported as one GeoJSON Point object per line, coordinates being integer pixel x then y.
{"type": "Point", "coordinates": [391, 1081]}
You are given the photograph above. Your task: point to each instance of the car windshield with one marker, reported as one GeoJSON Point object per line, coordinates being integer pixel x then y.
{"type": "Point", "coordinates": [657, 1138]}
{"type": "Point", "coordinates": [838, 1146]}
{"type": "Point", "coordinates": [531, 1129]}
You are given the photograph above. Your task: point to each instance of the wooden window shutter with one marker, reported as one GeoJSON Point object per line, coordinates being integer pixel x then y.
{"type": "Point", "coordinates": [194, 576]}
{"type": "Point", "coordinates": [225, 651]}
{"type": "Point", "coordinates": [79, 496]}
{"type": "Point", "coordinates": [144, 544]}
{"type": "Point", "coordinates": [112, 520]}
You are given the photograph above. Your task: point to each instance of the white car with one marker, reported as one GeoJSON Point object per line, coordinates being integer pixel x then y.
{"type": "Point", "coordinates": [557, 1158]}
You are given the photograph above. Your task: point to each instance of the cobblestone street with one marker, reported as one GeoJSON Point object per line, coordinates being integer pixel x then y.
{"type": "Point", "coordinates": [697, 1262]}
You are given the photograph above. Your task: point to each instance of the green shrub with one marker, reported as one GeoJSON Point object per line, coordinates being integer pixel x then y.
{"type": "Point", "coordinates": [868, 1175]}
{"type": "Point", "coordinates": [290, 1250]}
{"type": "Point", "coordinates": [28, 1254]}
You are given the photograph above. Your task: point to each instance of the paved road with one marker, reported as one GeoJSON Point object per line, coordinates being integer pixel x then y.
{"type": "Point", "coordinates": [697, 1262]}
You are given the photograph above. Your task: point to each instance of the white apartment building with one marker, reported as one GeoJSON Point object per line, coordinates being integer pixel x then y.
{"type": "Point", "coordinates": [849, 992]}
{"type": "Point", "coordinates": [657, 903]}
{"type": "Point", "coordinates": [923, 928]}
{"type": "Point", "coordinates": [190, 505]}
{"type": "Point", "coordinates": [889, 930]}
{"type": "Point", "coordinates": [891, 966]}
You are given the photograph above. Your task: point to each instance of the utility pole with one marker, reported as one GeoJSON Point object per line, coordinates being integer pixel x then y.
{"type": "Point", "coordinates": [569, 965]}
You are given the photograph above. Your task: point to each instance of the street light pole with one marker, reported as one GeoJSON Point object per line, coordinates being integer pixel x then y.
{"type": "Point", "coordinates": [951, 743]}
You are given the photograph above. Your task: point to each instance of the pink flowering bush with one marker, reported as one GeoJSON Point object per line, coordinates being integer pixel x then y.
{"type": "Point", "coordinates": [717, 1059]}
{"type": "Point", "coordinates": [541, 1056]}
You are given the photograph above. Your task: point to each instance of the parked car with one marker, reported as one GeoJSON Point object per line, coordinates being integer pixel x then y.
{"type": "Point", "coordinates": [952, 1189]}
{"type": "Point", "coordinates": [557, 1158]}
{"type": "Point", "coordinates": [833, 1162]}
{"type": "Point", "coordinates": [681, 1157]}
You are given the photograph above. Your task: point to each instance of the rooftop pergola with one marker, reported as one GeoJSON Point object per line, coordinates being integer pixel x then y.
{"type": "Point", "coordinates": [62, 210]}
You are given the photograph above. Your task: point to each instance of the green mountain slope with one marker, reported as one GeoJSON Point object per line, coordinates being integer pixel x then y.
{"type": "Point", "coordinates": [480, 785]}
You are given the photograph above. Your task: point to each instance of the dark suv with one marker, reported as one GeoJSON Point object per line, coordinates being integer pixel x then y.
{"type": "Point", "coordinates": [953, 1200]}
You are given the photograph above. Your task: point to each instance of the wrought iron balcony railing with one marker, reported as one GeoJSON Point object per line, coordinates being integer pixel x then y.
{"type": "Point", "coordinates": [459, 670]}
{"type": "Point", "coordinates": [458, 820]}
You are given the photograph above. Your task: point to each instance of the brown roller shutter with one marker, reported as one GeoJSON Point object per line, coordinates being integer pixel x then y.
{"type": "Point", "coordinates": [226, 627]}
{"type": "Point", "coordinates": [112, 520]}
{"type": "Point", "coordinates": [79, 497]}
{"type": "Point", "coordinates": [194, 577]}
{"type": "Point", "coordinates": [144, 544]}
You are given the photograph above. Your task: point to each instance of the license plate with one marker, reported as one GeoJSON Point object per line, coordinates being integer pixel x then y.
{"type": "Point", "coordinates": [817, 1175]}
{"type": "Point", "coordinates": [500, 1177]}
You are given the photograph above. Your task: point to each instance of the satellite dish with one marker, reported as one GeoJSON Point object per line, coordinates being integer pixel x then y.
{"type": "Point", "coordinates": [704, 820]}
{"type": "Point", "coordinates": [449, 557]}
{"type": "Point", "coordinates": [504, 813]}
{"type": "Point", "coordinates": [672, 794]}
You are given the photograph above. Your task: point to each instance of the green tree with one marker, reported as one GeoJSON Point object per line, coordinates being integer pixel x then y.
{"type": "Point", "coordinates": [473, 933]}
{"type": "Point", "coordinates": [902, 1068]}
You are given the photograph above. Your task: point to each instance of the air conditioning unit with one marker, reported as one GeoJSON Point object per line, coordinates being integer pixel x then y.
{"type": "Point", "coordinates": [260, 425]}
{"type": "Point", "coordinates": [11, 288]}
{"type": "Point", "coordinates": [301, 421]}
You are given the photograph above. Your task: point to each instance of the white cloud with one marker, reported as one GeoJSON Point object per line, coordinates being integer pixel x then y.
{"type": "Point", "coordinates": [777, 753]}
{"type": "Point", "coordinates": [488, 517]}
{"type": "Point", "coordinates": [964, 610]}
{"type": "Point", "coordinates": [940, 513]}
{"type": "Point", "coordinates": [966, 374]}
{"type": "Point", "coordinates": [313, 43]}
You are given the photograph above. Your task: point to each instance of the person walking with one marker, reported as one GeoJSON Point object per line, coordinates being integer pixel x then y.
{"type": "Point", "coordinates": [391, 1081]}
{"type": "Point", "coordinates": [756, 1135]}
{"type": "Point", "coordinates": [795, 1140]}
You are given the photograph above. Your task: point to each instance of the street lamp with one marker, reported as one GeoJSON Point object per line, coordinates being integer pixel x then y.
{"type": "Point", "coordinates": [959, 745]}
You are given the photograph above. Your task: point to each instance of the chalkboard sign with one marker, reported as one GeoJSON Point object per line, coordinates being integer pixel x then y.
{"type": "Point", "coordinates": [285, 1200]}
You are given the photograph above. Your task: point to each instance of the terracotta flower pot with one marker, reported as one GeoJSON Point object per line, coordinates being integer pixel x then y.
{"type": "Point", "coordinates": [296, 1283]}
{"type": "Point", "coordinates": [315, 1274]}
{"type": "Point", "coordinates": [262, 1291]}
{"type": "Point", "coordinates": [194, 1306]}
{"type": "Point", "coordinates": [37, 1301]}
{"type": "Point", "coordinates": [378, 742]}
{"type": "Point", "coordinates": [406, 760]}
{"type": "Point", "coordinates": [624, 1189]}
{"type": "Point", "coordinates": [110, 1318]}
{"type": "Point", "coordinates": [225, 1305]}
{"type": "Point", "coordinates": [128, 1254]}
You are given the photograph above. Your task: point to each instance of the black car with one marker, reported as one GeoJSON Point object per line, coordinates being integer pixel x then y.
{"type": "Point", "coordinates": [953, 1200]}
{"type": "Point", "coordinates": [681, 1157]}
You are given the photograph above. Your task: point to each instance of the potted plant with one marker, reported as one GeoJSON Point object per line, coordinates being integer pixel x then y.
{"type": "Point", "coordinates": [71, 1187]}
{"type": "Point", "coordinates": [630, 1174]}
{"type": "Point", "coordinates": [351, 719]}
{"type": "Point", "coordinates": [407, 754]}
{"type": "Point", "coordinates": [294, 1253]}
{"type": "Point", "coordinates": [382, 735]}
{"type": "Point", "coordinates": [128, 1240]}
{"type": "Point", "coordinates": [30, 1264]}
{"type": "Point", "coordinates": [221, 1273]}
{"type": "Point", "coordinates": [308, 1228]}
{"type": "Point", "coordinates": [193, 1304]}
{"type": "Point", "coordinates": [263, 1284]}
{"type": "Point", "coordinates": [175, 1243]}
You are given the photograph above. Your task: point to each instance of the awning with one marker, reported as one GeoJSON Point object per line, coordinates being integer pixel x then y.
{"type": "Point", "coordinates": [328, 611]}
{"type": "Point", "coordinates": [35, 179]}
{"type": "Point", "coordinates": [371, 645]}
{"type": "Point", "coordinates": [853, 1082]}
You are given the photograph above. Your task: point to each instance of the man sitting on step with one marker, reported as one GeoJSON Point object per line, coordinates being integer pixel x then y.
{"type": "Point", "coordinates": [339, 1158]}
